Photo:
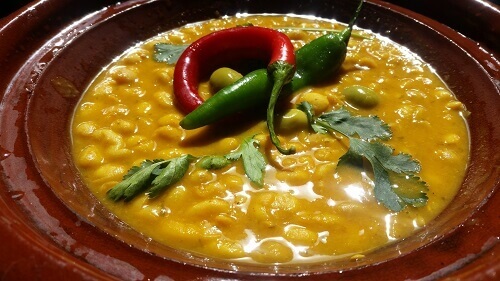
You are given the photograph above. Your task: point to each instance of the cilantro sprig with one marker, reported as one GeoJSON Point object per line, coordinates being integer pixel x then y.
{"type": "Point", "coordinates": [157, 175]}
{"type": "Point", "coordinates": [254, 162]}
{"type": "Point", "coordinates": [396, 185]}
{"type": "Point", "coordinates": [367, 128]}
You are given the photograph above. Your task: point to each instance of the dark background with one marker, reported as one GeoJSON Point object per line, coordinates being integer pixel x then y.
{"type": "Point", "coordinates": [465, 16]}
{"type": "Point", "coordinates": [8, 6]}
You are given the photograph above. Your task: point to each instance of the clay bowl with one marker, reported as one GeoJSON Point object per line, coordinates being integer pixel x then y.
{"type": "Point", "coordinates": [53, 228]}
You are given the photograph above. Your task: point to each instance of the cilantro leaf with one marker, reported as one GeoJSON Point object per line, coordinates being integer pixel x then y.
{"type": "Point", "coordinates": [389, 169]}
{"type": "Point", "coordinates": [172, 173]}
{"type": "Point", "coordinates": [401, 163]}
{"type": "Point", "coordinates": [410, 188]}
{"type": "Point", "coordinates": [254, 162]}
{"type": "Point", "coordinates": [168, 53]}
{"type": "Point", "coordinates": [136, 180]}
{"type": "Point", "coordinates": [144, 164]}
{"type": "Point", "coordinates": [366, 128]}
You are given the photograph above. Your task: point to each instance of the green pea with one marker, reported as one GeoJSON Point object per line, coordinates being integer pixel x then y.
{"type": "Point", "coordinates": [223, 77]}
{"type": "Point", "coordinates": [360, 96]}
{"type": "Point", "coordinates": [293, 119]}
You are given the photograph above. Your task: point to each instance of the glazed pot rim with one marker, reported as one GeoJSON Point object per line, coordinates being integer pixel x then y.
{"type": "Point", "coordinates": [484, 61]}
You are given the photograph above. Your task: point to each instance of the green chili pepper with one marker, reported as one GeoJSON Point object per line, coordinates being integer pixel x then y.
{"type": "Point", "coordinates": [316, 61]}
{"type": "Point", "coordinates": [250, 91]}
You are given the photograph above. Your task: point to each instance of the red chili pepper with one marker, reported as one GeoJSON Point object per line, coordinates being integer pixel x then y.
{"type": "Point", "coordinates": [224, 47]}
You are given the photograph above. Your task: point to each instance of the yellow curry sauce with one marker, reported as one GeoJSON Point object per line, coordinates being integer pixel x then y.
{"type": "Point", "coordinates": [307, 210]}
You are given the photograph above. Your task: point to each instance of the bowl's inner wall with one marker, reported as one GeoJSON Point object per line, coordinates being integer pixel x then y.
{"type": "Point", "coordinates": [49, 113]}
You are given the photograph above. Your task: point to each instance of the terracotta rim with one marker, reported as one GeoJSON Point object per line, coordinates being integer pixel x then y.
{"type": "Point", "coordinates": [35, 237]}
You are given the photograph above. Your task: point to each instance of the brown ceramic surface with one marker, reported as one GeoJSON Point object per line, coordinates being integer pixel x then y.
{"type": "Point", "coordinates": [52, 228]}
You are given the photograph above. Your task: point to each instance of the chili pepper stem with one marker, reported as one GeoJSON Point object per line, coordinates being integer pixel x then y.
{"type": "Point", "coordinates": [345, 34]}
{"type": "Point", "coordinates": [282, 73]}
